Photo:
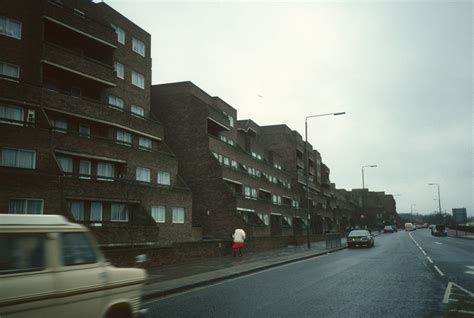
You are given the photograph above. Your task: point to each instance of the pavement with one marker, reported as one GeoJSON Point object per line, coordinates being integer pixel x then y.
{"type": "Point", "coordinates": [172, 279]}
{"type": "Point", "coordinates": [460, 234]}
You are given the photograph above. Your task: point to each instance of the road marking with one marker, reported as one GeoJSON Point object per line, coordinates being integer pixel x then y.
{"type": "Point", "coordinates": [429, 259]}
{"type": "Point", "coordinates": [439, 271]}
{"type": "Point", "coordinates": [424, 253]}
{"type": "Point", "coordinates": [447, 292]}
{"type": "Point", "coordinates": [439, 243]}
{"type": "Point", "coordinates": [469, 272]}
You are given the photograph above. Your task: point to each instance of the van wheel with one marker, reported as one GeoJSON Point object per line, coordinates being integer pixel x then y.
{"type": "Point", "coordinates": [119, 311]}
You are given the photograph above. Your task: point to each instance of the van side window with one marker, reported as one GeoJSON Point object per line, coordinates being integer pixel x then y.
{"type": "Point", "coordinates": [77, 249]}
{"type": "Point", "coordinates": [21, 253]}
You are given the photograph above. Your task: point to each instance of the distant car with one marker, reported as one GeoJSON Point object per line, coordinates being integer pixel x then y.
{"type": "Point", "coordinates": [410, 227]}
{"type": "Point", "coordinates": [439, 230]}
{"type": "Point", "coordinates": [432, 226]}
{"type": "Point", "coordinates": [394, 228]}
{"type": "Point", "coordinates": [360, 238]}
{"type": "Point", "coordinates": [388, 229]}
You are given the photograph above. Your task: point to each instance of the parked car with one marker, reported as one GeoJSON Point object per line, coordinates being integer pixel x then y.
{"type": "Point", "coordinates": [439, 230]}
{"type": "Point", "coordinates": [360, 238]}
{"type": "Point", "coordinates": [388, 229]}
{"type": "Point", "coordinates": [50, 267]}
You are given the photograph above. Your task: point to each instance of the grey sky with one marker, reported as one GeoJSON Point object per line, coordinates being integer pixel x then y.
{"type": "Point", "coordinates": [401, 70]}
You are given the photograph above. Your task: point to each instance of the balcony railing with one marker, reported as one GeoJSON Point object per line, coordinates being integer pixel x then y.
{"type": "Point", "coordinates": [75, 61]}
{"type": "Point", "coordinates": [100, 111]}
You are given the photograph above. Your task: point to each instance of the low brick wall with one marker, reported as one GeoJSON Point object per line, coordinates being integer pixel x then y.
{"type": "Point", "coordinates": [187, 251]}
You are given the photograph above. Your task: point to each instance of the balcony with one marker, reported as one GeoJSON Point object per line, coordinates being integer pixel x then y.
{"type": "Point", "coordinates": [77, 63]}
{"type": "Point", "coordinates": [99, 112]}
{"type": "Point", "coordinates": [98, 31]}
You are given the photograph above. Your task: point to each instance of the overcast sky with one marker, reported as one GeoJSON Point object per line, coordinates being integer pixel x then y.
{"type": "Point", "coordinates": [401, 70]}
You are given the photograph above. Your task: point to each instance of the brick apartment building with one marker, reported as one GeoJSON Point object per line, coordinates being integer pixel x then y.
{"type": "Point", "coordinates": [236, 181]}
{"type": "Point", "coordinates": [77, 134]}
{"type": "Point", "coordinates": [327, 209]}
{"type": "Point", "coordinates": [375, 208]}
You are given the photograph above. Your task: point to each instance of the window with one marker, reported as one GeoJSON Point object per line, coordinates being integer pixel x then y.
{"type": "Point", "coordinates": [10, 70]}
{"type": "Point", "coordinates": [77, 249]}
{"type": "Point", "coordinates": [158, 214]}
{"type": "Point", "coordinates": [10, 27]}
{"type": "Point", "coordinates": [265, 218]}
{"type": "Point", "coordinates": [66, 165]}
{"type": "Point", "coordinates": [233, 164]}
{"type": "Point", "coordinates": [138, 111]}
{"type": "Point", "coordinates": [77, 210]}
{"type": "Point", "coordinates": [247, 192]}
{"type": "Point", "coordinates": [138, 79]}
{"type": "Point", "coordinates": [59, 125]}
{"type": "Point", "coordinates": [223, 138]}
{"type": "Point", "coordinates": [289, 220]}
{"type": "Point", "coordinates": [142, 174]}
{"type": "Point", "coordinates": [115, 102]}
{"type": "Point", "coordinates": [145, 143]}
{"type": "Point", "coordinates": [226, 161]}
{"type": "Point", "coordinates": [138, 46]}
{"type": "Point", "coordinates": [25, 206]}
{"type": "Point", "coordinates": [85, 169]}
{"type": "Point", "coordinates": [254, 193]}
{"type": "Point", "coordinates": [21, 253]}
{"type": "Point", "coordinates": [216, 155]}
{"type": "Point", "coordinates": [105, 170]}
{"type": "Point", "coordinates": [17, 158]}
{"type": "Point", "coordinates": [124, 138]}
{"type": "Point", "coordinates": [96, 214]}
{"type": "Point", "coordinates": [230, 142]}
{"type": "Point", "coordinates": [12, 114]}
{"type": "Point", "coordinates": [84, 130]}
{"type": "Point", "coordinates": [164, 178]}
{"type": "Point", "coordinates": [119, 70]}
{"type": "Point", "coordinates": [178, 215]}
{"type": "Point", "coordinates": [119, 212]}
{"type": "Point", "coordinates": [120, 34]}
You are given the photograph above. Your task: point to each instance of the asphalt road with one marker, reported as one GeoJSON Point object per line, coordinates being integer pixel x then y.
{"type": "Point", "coordinates": [392, 279]}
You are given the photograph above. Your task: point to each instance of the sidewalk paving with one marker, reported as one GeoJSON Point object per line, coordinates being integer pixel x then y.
{"type": "Point", "coordinates": [171, 279]}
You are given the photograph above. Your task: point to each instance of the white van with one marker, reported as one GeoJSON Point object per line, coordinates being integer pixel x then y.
{"type": "Point", "coordinates": [50, 267]}
{"type": "Point", "coordinates": [409, 227]}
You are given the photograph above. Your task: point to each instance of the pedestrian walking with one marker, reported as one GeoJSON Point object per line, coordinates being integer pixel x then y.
{"type": "Point", "coordinates": [238, 241]}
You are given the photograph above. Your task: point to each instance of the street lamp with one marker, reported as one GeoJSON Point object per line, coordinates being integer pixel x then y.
{"type": "Point", "coordinates": [439, 197]}
{"type": "Point", "coordinates": [306, 166]}
{"type": "Point", "coordinates": [370, 166]}
{"type": "Point", "coordinates": [411, 208]}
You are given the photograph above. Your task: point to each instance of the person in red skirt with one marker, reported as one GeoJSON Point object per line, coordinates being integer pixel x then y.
{"type": "Point", "coordinates": [238, 237]}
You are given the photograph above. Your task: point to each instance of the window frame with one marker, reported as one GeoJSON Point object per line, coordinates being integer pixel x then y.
{"type": "Point", "coordinates": [9, 21]}
{"type": "Point", "coordinates": [112, 219]}
{"type": "Point", "coordinates": [82, 175]}
{"type": "Point", "coordinates": [88, 135]}
{"type": "Point", "coordinates": [102, 177]}
{"type": "Point", "coordinates": [94, 222]}
{"type": "Point", "coordinates": [124, 133]}
{"type": "Point", "coordinates": [143, 147]}
{"type": "Point", "coordinates": [137, 78]}
{"type": "Point", "coordinates": [4, 75]}
{"type": "Point", "coordinates": [116, 99]}
{"type": "Point", "coordinates": [137, 114]}
{"type": "Point", "coordinates": [119, 31]}
{"type": "Point", "coordinates": [137, 45]}
{"type": "Point", "coordinates": [12, 121]}
{"type": "Point", "coordinates": [159, 220]}
{"type": "Point", "coordinates": [16, 158]}
{"type": "Point", "coordinates": [176, 216]}
{"type": "Point", "coordinates": [163, 173]}
{"type": "Point", "coordinates": [143, 169]}
{"type": "Point", "coordinates": [25, 210]}
{"type": "Point", "coordinates": [119, 70]}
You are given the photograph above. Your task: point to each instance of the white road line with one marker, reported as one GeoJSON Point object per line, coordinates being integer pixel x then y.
{"type": "Point", "coordinates": [439, 271]}
{"type": "Point", "coordinates": [469, 272]}
{"type": "Point", "coordinates": [439, 243]}
{"type": "Point", "coordinates": [464, 290]}
{"type": "Point", "coordinates": [429, 259]}
{"type": "Point", "coordinates": [447, 292]}
{"type": "Point", "coordinates": [424, 253]}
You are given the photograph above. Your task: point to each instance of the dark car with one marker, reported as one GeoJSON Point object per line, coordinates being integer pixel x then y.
{"type": "Point", "coordinates": [360, 238]}
{"type": "Point", "coordinates": [439, 230]}
{"type": "Point", "coordinates": [388, 229]}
